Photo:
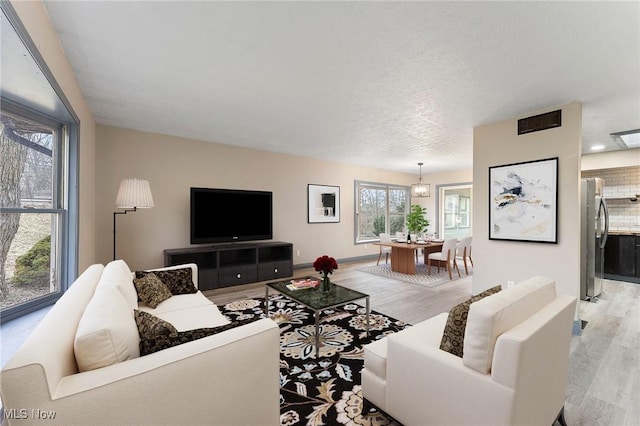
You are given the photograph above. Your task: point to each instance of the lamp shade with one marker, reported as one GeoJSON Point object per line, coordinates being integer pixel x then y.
{"type": "Point", "coordinates": [420, 189]}
{"type": "Point", "coordinates": [134, 193]}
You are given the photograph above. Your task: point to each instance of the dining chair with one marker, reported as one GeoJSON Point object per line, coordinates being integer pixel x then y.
{"type": "Point", "coordinates": [463, 252]}
{"type": "Point", "coordinates": [384, 238]}
{"type": "Point", "coordinates": [447, 255]}
{"type": "Point", "coordinates": [419, 251]}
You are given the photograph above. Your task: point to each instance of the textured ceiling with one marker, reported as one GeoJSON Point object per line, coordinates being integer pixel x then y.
{"type": "Point", "coordinates": [380, 84]}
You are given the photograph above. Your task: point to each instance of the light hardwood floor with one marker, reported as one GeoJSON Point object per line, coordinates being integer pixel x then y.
{"type": "Point", "coordinates": [604, 371]}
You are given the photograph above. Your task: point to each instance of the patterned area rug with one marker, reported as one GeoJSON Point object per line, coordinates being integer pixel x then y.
{"type": "Point", "coordinates": [421, 277]}
{"type": "Point", "coordinates": [324, 391]}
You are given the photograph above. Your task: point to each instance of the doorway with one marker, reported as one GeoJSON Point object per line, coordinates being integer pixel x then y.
{"type": "Point", "coordinates": [455, 211]}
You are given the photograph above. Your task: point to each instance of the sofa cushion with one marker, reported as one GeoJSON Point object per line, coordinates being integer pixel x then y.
{"type": "Point", "coordinates": [151, 290]}
{"type": "Point", "coordinates": [107, 331]}
{"type": "Point", "coordinates": [490, 317]}
{"type": "Point", "coordinates": [189, 318]}
{"type": "Point", "coordinates": [150, 325]}
{"type": "Point", "coordinates": [188, 311]}
{"type": "Point", "coordinates": [159, 342]}
{"type": "Point", "coordinates": [453, 335]}
{"type": "Point", "coordinates": [178, 280]}
{"type": "Point", "coordinates": [118, 274]}
{"type": "Point", "coordinates": [425, 334]}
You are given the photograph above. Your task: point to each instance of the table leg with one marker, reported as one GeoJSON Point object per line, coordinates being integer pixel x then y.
{"type": "Point", "coordinates": [317, 334]}
{"type": "Point", "coordinates": [266, 301]}
{"type": "Point", "coordinates": [402, 260]}
{"type": "Point", "coordinates": [367, 316]}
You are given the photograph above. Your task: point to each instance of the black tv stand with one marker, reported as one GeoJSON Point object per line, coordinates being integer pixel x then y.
{"type": "Point", "coordinates": [226, 265]}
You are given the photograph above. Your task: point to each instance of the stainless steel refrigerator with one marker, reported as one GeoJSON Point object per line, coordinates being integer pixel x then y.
{"type": "Point", "coordinates": [595, 229]}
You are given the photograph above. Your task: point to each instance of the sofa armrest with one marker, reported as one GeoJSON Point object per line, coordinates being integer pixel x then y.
{"type": "Point", "coordinates": [533, 358]}
{"type": "Point", "coordinates": [197, 382]}
{"type": "Point", "coordinates": [425, 385]}
{"type": "Point", "coordinates": [46, 356]}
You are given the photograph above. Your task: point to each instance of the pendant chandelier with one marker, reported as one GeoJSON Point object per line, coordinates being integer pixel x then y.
{"type": "Point", "coordinates": [420, 189]}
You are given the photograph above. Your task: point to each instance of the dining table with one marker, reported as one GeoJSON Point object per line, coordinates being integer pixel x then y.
{"type": "Point", "coordinates": [403, 254]}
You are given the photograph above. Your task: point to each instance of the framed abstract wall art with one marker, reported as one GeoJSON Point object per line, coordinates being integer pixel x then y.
{"type": "Point", "coordinates": [523, 201]}
{"type": "Point", "coordinates": [323, 204]}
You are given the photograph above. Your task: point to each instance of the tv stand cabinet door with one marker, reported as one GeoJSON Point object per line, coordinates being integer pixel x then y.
{"type": "Point", "coordinates": [237, 274]}
{"type": "Point", "coordinates": [272, 270]}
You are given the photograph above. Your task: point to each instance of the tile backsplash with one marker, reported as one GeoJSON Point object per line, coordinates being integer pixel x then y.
{"type": "Point", "coordinates": [621, 184]}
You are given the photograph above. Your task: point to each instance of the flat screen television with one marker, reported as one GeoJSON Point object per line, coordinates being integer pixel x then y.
{"type": "Point", "coordinates": [229, 215]}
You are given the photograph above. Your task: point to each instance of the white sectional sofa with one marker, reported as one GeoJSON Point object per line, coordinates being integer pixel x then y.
{"type": "Point", "coordinates": [82, 363]}
{"type": "Point", "coordinates": [513, 369]}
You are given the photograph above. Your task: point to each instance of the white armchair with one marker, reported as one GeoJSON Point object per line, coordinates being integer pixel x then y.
{"type": "Point", "coordinates": [513, 370]}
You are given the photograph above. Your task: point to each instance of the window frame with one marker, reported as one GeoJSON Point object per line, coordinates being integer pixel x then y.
{"type": "Point", "coordinates": [66, 191]}
{"type": "Point", "coordinates": [358, 184]}
{"type": "Point", "coordinates": [58, 210]}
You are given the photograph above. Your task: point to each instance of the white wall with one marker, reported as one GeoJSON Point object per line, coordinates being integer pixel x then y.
{"type": "Point", "coordinates": [499, 261]}
{"type": "Point", "coordinates": [172, 165]}
{"type": "Point", "coordinates": [611, 159]}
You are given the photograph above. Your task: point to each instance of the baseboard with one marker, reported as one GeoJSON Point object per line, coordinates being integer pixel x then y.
{"type": "Point", "coordinates": [635, 280]}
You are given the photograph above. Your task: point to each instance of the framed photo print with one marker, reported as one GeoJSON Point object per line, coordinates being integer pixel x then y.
{"type": "Point", "coordinates": [523, 201]}
{"type": "Point", "coordinates": [323, 204]}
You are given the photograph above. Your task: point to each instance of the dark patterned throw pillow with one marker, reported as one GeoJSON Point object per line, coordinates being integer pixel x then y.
{"type": "Point", "coordinates": [151, 290]}
{"type": "Point", "coordinates": [179, 281]}
{"type": "Point", "coordinates": [453, 335]}
{"type": "Point", "coordinates": [150, 326]}
{"type": "Point", "coordinates": [159, 342]}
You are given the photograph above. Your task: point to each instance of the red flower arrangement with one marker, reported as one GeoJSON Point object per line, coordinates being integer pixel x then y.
{"type": "Point", "coordinates": [325, 265]}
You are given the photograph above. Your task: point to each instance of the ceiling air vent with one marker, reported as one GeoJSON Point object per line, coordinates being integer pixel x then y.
{"type": "Point", "coordinates": [539, 122]}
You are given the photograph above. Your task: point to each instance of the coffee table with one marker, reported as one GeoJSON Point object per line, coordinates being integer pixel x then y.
{"type": "Point", "coordinates": [318, 301]}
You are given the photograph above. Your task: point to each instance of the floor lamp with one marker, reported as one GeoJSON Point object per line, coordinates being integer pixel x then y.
{"type": "Point", "coordinates": [133, 194]}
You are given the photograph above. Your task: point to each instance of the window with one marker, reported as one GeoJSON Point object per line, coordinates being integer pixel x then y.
{"type": "Point", "coordinates": [32, 216]}
{"type": "Point", "coordinates": [39, 134]}
{"type": "Point", "coordinates": [379, 208]}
